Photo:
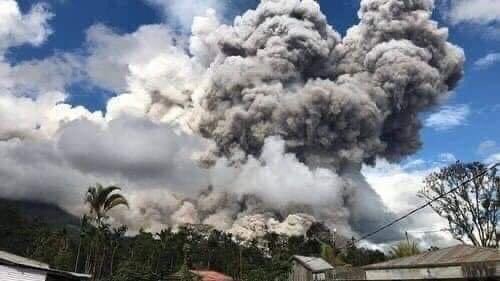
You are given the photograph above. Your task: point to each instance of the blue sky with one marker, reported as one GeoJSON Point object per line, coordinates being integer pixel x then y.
{"type": "Point", "coordinates": [479, 91]}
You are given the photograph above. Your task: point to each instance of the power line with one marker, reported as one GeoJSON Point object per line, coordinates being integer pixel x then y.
{"type": "Point", "coordinates": [354, 241]}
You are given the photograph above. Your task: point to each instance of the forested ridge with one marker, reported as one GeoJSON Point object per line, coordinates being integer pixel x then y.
{"type": "Point", "coordinates": [54, 238]}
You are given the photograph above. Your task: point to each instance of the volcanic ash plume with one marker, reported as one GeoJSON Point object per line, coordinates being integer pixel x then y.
{"type": "Point", "coordinates": [295, 110]}
{"type": "Point", "coordinates": [283, 71]}
{"type": "Point", "coordinates": [291, 111]}
{"type": "Point", "coordinates": [337, 103]}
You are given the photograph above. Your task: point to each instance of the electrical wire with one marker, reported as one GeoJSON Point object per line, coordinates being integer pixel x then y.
{"type": "Point", "coordinates": [354, 241]}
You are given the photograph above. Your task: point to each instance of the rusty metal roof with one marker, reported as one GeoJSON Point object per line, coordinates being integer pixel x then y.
{"type": "Point", "coordinates": [313, 264]}
{"type": "Point", "coordinates": [211, 275]}
{"type": "Point", "coordinates": [456, 255]}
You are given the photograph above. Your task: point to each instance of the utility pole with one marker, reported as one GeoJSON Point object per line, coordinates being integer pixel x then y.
{"type": "Point", "coordinates": [82, 221]}
{"type": "Point", "coordinates": [334, 246]}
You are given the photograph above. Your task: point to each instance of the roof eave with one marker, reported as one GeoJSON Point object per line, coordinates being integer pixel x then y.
{"type": "Point", "coordinates": [368, 267]}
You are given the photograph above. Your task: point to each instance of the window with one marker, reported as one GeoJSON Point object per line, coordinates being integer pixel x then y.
{"type": "Point", "coordinates": [319, 277]}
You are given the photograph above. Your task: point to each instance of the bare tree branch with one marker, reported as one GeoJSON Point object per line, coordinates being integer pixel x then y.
{"type": "Point", "coordinates": [472, 210]}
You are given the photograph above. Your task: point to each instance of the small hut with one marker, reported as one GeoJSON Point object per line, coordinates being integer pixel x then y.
{"type": "Point", "coordinates": [311, 269]}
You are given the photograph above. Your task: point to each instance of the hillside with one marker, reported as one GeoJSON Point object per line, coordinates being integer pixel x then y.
{"type": "Point", "coordinates": [32, 211]}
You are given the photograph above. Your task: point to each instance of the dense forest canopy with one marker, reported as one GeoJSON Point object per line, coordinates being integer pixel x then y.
{"type": "Point", "coordinates": [153, 256]}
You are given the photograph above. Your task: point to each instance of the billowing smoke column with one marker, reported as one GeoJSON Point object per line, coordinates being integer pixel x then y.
{"type": "Point", "coordinates": [282, 71]}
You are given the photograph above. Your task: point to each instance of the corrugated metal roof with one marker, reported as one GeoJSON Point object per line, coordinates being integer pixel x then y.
{"type": "Point", "coordinates": [314, 264]}
{"type": "Point", "coordinates": [15, 260]}
{"type": "Point", "coordinates": [456, 255]}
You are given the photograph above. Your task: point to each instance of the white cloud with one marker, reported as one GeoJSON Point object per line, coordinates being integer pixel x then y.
{"type": "Point", "coordinates": [282, 171]}
{"type": "Point", "coordinates": [447, 158]}
{"type": "Point", "coordinates": [136, 153]}
{"type": "Point", "coordinates": [112, 54]}
{"type": "Point", "coordinates": [134, 149]}
{"type": "Point", "coordinates": [494, 158]}
{"type": "Point", "coordinates": [181, 13]}
{"type": "Point", "coordinates": [487, 61]}
{"type": "Point", "coordinates": [487, 147]}
{"type": "Point", "coordinates": [474, 11]}
{"type": "Point", "coordinates": [149, 69]}
{"type": "Point", "coordinates": [482, 15]}
{"type": "Point", "coordinates": [490, 150]}
{"type": "Point", "coordinates": [22, 117]}
{"type": "Point", "coordinates": [32, 92]}
{"type": "Point", "coordinates": [398, 186]}
{"type": "Point", "coordinates": [54, 73]}
{"type": "Point", "coordinates": [17, 28]}
{"type": "Point", "coordinates": [448, 117]}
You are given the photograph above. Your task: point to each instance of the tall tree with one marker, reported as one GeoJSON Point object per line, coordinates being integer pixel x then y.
{"type": "Point", "coordinates": [101, 199]}
{"type": "Point", "coordinates": [473, 209]}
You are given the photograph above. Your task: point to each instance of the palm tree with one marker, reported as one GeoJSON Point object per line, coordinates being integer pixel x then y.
{"type": "Point", "coordinates": [102, 199]}
{"type": "Point", "coordinates": [405, 249]}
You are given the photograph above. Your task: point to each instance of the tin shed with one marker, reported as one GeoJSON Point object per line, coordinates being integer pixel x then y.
{"type": "Point", "coordinates": [310, 269]}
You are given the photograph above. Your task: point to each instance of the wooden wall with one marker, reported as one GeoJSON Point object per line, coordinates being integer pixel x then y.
{"type": "Point", "coordinates": [300, 273]}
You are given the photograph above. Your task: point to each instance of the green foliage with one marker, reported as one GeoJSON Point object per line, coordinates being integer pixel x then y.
{"type": "Point", "coordinates": [361, 256]}
{"type": "Point", "coordinates": [134, 271]}
{"type": "Point", "coordinates": [101, 199]}
{"type": "Point", "coordinates": [327, 253]}
{"type": "Point", "coordinates": [110, 255]}
{"type": "Point", "coordinates": [404, 249]}
{"type": "Point", "coordinates": [186, 274]}
{"type": "Point", "coordinates": [35, 239]}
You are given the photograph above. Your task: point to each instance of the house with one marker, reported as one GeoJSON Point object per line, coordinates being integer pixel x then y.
{"type": "Point", "coordinates": [16, 268]}
{"type": "Point", "coordinates": [455, 263]}
{"type": "Point", "coordinates": [310, 269]}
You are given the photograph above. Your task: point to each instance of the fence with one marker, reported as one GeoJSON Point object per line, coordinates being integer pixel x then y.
{"type": "Point", "coordinates": [349, 273]}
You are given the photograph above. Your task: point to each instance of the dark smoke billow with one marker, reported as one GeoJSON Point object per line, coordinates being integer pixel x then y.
{"type": "Point", "coordinates": [336, 102]}
{"type": "Point", "coordinates": [283, 71]}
